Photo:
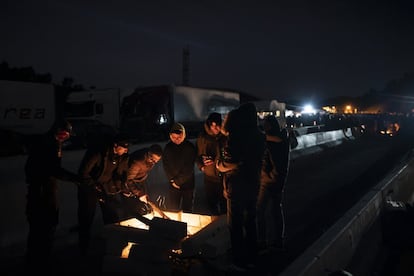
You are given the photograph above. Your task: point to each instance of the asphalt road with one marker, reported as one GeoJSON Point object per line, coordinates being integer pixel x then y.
{"type": "Point", "coordinates": [321, 187]}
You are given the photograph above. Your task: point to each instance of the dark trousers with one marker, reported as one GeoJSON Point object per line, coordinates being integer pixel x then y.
{"type": "Point", "coordinates": [270, 217]}
{"type": "Point", "coordinates": [216, 202]}
{"type": "Point", "coordinates": [87, 198]}
{"type": "Point", "coordinates": [42, 214]}
{"type": "Point", "coordinates": [42, 228]}
{"type": "Point", "coordinates": [241, 216]}
{"type": "Point", "coordinates": [180, 200]}
{"type": "Point", "coordinates": [111, 207]}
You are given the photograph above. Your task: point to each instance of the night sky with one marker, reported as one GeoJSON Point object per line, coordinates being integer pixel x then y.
{"type": "Point", "coordinates": [273, 49]}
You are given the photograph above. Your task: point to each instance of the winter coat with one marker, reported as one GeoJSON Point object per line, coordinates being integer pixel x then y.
{"type": "Point", "coordinates": [138, 172]}
{"type": "Point", "coordinates": [104, 169]}
{"type": "Point", "coordinates": [208, 146]}
{"type": "Point", "coordinates": [275, 162]}
{"type": "Point", "coordinates": [178, 162]}
{"type": "Point", "coordinates": [241, 158]}
{"type": "Point", "coordinates": [42, 170]}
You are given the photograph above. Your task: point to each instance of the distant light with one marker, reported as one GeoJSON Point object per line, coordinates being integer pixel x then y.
{"type": "Point", "coordinates": [289, 113]}
{"type": "Point", "coordinates": [308, 109]}
{"type": "Point", "coordinates": [162, 119]}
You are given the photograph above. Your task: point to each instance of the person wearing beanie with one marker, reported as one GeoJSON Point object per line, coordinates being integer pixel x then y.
{"type": "Point", "coordinates": [208, 144]}
{"type": "Point", "coordinates": [178, 163]}
{"type": "Point", "coordinates": [43, 169]}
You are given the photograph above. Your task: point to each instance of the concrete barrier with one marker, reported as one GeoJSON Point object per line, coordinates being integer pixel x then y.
{"type": "Point", "coordinates": [335, 249]}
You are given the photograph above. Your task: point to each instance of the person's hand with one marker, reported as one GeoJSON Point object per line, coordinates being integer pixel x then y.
{"type": "Point", "coordinates": [144, 198]}
{"type": "Point", "coordinates": [174, 184]}
{"type": "Point", "coordinates": [207, 161]}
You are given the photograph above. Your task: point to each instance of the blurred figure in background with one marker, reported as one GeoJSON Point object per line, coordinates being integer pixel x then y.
{"type": "Point", "coordinates": [271, 228]}
{"type": "Point", "coordinates": [240, 163]}
{"type": "Point", "coordinates": [208, 145]}
{"type": "Point", "coordinates": [43, 170]}
{"type": "Point", "coordinates": [178, 162]}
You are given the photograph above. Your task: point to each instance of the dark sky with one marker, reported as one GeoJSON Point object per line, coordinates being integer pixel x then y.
{"type": "Point", "coordinates": [273, 49]}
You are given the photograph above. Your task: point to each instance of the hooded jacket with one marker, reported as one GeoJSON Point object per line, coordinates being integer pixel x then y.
{"type": "Point", "coordinates": [178, 162]}
{"type": "Point", "coordinates": [208, 146]}
{"type": "Point", "coordinates": [275, 162]}
{"type": "Point", "coordinates": [241, 158]}
{"type": "Point", "coordinates": [106, 170]}
{"type": "Point", "coordinates": [138, 170]}
{"type": "Point", "coordinates": [42, 170]}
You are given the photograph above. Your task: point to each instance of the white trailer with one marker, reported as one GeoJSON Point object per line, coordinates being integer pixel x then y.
{"type": "Point", "coordinates": [272, 108]}
{"type": "Point", "coordinates": [97, 105]}
{"type": "Point", "coordinates": [26, 107]}
{"type": "Point", "coordinates": [149, 112]}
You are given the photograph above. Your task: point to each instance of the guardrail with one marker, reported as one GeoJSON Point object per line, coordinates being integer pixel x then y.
{"type": "Point", "coordinates": [335, 249]}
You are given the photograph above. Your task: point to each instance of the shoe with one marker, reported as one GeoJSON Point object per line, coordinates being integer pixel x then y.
{"type": "Point", "coordinates": [277, 250]}
{"type": "Point", "coordinates": [277, 246]}
{"type": "Point", "coordinates": [251, 265]}
{"type": "Point", "coordinates": [236, 268]}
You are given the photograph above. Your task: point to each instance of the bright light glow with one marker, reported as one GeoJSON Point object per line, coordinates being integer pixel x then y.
{"type": "Point", "coordinates": [289, 113]}
{"type": "Point", "coordinates": [308, 109]}
{"type": "Point", "coordinates": [195, 222]}
{"type": "Point", "coordinates": [162, 119]}
{"type": "Point", "coordinates": [126, 250]}
{"type": "Point", "coordinates": [330, 109]}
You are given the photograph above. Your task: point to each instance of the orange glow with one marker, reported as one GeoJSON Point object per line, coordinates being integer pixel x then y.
{"type": "Point", "coordinates": [195, 222]}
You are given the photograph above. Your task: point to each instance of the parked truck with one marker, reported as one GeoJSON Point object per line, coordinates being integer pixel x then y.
{"type": "Point", "coordinates": [94, 115]}
{"type": "Point", "coordinates": [26, 108]}
{"type": "Point", "coordinates": [146, 113]}
{"type": "Point", "coordinates": [149, 112]}
{"type": "Point", "coordinates": [100, 105]}
{"type": "Point", "coordinates": [272, 108]}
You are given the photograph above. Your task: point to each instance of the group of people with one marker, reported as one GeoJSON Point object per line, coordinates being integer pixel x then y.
{"type": "Point", "coordinates": [244, 171]}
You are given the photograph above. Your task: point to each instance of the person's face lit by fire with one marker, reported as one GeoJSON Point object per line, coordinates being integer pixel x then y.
{"type": "Point", "coordinates": [62, 135]}
{"type": "Point", "coordinates": [177, 137]}
{"type": "Point", "coordinates": [215, 128]}
{"type": "Point", "coordinates": [152, 158]}
{"type": "Point", "coordinates": [120, 149]}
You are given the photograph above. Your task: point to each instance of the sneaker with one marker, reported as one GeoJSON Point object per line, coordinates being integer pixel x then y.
{"type": "Point", "coordinates": [251, 265]}
{"type": "Point", "coordinates": [277, 246]}
{"type": "Point", "coordinates": [236, 268]}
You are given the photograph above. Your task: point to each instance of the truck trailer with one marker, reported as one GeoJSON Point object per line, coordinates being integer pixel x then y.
{"type": "Point", "coordinates": [100, 105]}
{"type": "Point", "coordinates": [149, 112]}
{"type": "Point", "coordinates": [26, 108]}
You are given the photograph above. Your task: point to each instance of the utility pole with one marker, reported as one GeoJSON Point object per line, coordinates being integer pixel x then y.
{"type": "Point", "coordinates": [186, 66]}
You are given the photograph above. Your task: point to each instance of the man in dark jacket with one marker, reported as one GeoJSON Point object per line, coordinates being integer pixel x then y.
{"type": "Point", "coordinates": [178, 162]}
{"type": "Point", "coordinates": [103, 175]}
{"type": "Point", "coordinates": [241, 162]}
{"type": "Point", "coordinates": [208, 144]}
{"type": "Point", "coordinates": [43, 170]}
{"type": "Point", "coordinates": [141, 162]}
{"type": "Point", "coordinates": [271, 230]}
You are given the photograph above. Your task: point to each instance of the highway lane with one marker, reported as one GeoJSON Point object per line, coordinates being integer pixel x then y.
{"type": "Point", "coordinates": [323, 186]}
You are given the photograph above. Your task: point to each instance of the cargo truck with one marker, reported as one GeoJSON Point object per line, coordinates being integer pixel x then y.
{"type": "Point", "coordinates": [146, 113]}
{"type": "Point", "coordinates": [149, 112]}
{"type": "Point", "coordinates": [26, 108]}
